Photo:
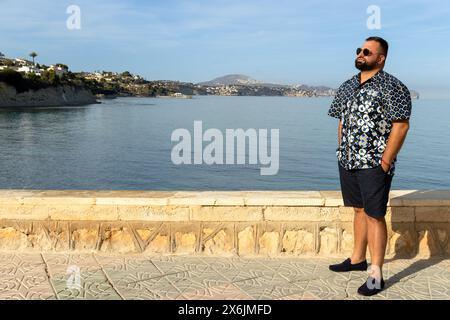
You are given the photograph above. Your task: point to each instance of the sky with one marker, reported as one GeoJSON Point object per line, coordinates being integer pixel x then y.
{"type": "Point", "coordinates": [291, 42]}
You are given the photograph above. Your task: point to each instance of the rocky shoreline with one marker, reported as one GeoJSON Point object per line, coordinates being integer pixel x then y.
{"type": "Point", "coordinates": [58, 96]}
{"type": "Point", "coordinates": [64, 95]}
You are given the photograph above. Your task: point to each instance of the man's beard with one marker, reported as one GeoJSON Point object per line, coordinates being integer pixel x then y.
{"type": "Point", "coordinates": [364, 66]}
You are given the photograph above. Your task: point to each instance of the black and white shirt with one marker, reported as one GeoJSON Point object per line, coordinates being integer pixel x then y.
{"type": "Point", "coordinates": [366, 112]}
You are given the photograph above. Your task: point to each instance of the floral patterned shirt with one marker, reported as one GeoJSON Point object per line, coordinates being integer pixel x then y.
{"type": "Point", "coordinates": [366, 112]}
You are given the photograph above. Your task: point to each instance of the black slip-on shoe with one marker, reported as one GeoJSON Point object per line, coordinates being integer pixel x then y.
{"type": "Point", "coordinates": [347, 266]}
{"type": "Point", "coordinates": [371, 287]}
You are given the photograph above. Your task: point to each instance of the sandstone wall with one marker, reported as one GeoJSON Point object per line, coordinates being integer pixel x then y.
{"type": "Point", "coordinates": [266, 223]}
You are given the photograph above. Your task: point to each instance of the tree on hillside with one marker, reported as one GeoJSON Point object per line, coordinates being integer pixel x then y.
{"type": "Point", "coordinates": [62, 65]}
{"type": "Point", "coordinates": [33, 55]}
{"type": "Point", "coordinates": [50, 76]}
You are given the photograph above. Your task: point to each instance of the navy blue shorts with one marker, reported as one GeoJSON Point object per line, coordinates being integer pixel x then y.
{"type": "Point", "coordinates": [366, 188]}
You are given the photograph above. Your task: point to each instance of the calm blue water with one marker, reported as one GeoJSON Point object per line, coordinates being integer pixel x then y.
{"type": "Point", "coordinates": [125, 144]}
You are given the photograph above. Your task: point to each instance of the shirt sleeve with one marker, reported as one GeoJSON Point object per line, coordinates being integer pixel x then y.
{"type": "Point", "coordinates": [335, 110]}
{"type": "Point", "coordinates": [398, 103]}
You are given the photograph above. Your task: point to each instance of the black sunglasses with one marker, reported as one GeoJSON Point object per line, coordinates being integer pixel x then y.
{"type": "Point", "coordinates": [366, 52]}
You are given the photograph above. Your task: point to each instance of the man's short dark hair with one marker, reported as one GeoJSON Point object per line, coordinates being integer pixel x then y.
{"type": "Point", "coordinates": [383, 43]}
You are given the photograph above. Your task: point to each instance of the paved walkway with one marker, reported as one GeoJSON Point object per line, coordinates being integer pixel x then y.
{"type": "Point", "coordinates": [95, 276]}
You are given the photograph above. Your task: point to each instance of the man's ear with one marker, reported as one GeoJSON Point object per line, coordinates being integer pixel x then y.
{"type": "Point", "coordinates": [382, 58]}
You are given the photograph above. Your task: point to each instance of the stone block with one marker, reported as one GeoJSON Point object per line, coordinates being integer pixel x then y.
{"type": "Point", "coordinates": [118, 240]}
{"type": "Point", "coordinates": [328, 241]}
{"type": "Point", "coordinates": [307, 214]}
{"type": "Point", "coordinates": [153, 213]}
{"type": "Point", "coordinates": [402, 243]}
{"type": "Point", "coordinates": [284, 198]}
{"type": "Point", "coordinates": [85, 239]}
{"type": "Point", "coordinates": [23, 212]}
{"type": "Point", "coordinates": [400, 214]}
{"type": "Point", "coordinates": [347, 242]}
{"type": "Point", "coordinates": [332, 198]}
{"type": "Point", "coordinates": [297, 242]}
{"type": "Point", "coordinates": [161, 244]}
{"type": "Point", "coordinates": [268, 243]}
{"type": "Point", "coordinates": [432, 214]}
{"type": "Point", "coordinates": [221, 243]}
{"type": "Point", "coordinates": [346, 214]}
{"type": "Point", "coordinates": [80, 213]}
{"type": "Point", "coordinates": [12, 239]}
{"type": "Point", "coordinates": [246, 241]}
{"type": "Point", "coordinates": [428, 246]}
{"type": "Point", "coordinates": [185, 242]}
{"type": "Point", "coordinates": [226, 214]}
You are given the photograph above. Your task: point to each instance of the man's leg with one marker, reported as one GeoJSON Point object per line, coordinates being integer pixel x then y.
{"type": "Point", "coordinates": [375, 185]}
{"type": "Point", "coordinates": [359, 236]}
{"type": "Point", "coordinates": [377, 238]}
{"type": "Point", "coordinates": [351, 194]}
{"type": "Point", "coordinates": [357, 262]}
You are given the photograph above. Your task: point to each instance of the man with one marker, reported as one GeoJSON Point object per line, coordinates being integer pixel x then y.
{"type": "Point", "coordinates": [373, 109]}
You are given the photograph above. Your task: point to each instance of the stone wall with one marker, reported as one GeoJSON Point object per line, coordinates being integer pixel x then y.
{"type": "Point", "coordinates": [247, 223]}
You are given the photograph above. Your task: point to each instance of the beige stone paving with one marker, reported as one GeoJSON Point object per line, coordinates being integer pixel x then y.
{"type": "Point", "coordinates": [100, 276]}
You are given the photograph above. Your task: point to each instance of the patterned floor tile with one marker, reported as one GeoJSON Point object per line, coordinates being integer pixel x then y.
{"type": "Point", "coordinates": [225, 291]}
{"type": "Point", "coordinates": [160, 288]}
{"type": "Point", "coordinates": [194, 267]}
{"type": "Point", "coordinates": [86, 290]}
{"type": "Point", "coordinates": [101, 276]}
{"type": "Point", "coordinates": [124, 263]}
{"type": "Point", "coordinates": [273, 291]}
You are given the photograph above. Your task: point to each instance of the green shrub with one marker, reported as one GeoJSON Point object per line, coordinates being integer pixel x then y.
{"type": "Point", "coordinates": [22, 83]}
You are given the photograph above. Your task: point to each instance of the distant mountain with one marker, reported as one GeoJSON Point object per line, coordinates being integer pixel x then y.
{"type": "Point", "coordinates": [243, 80]}
{"type": "Point", "coordinates": [231, 79]}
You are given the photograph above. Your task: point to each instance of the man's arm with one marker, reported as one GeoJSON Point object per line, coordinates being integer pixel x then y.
{"type": "Point", "coordinates": [395, 141]}
{"type": "Point", "coordinates": [339, 132]}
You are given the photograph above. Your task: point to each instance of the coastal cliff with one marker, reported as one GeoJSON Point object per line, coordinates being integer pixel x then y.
{"type": "Point", "coordinates": [63, 95]}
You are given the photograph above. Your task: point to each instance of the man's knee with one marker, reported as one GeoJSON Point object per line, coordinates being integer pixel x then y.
{"type": "Point", "coordinates": [371, 219]}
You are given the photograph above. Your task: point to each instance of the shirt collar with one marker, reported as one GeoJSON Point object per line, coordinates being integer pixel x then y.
{"type": "Point", "coordinates": [376, 78]}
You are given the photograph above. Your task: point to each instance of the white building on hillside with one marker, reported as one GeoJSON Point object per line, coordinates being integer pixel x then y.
{"type": "Point", "coordinates": [23, 62]}
{"type": "Point", "coordinates": [59, 70]}
{"type": "Point", "coordinates": [29, 69]}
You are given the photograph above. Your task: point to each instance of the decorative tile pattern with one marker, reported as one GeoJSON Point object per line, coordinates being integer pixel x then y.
{"type": "Point", "coordinates": [149, 277]}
